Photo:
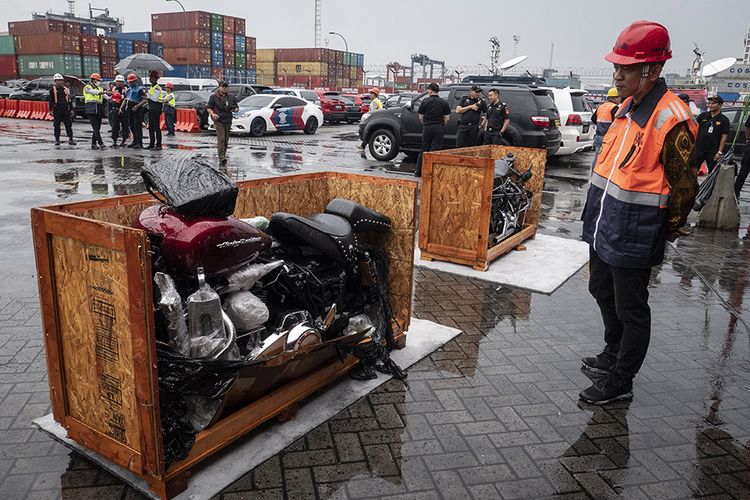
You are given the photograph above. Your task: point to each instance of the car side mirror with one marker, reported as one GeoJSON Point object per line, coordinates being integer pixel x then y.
{"type": "Point", "coordinates": [408, 105]}
{"type": "Point", "coordinates": [275, 105]}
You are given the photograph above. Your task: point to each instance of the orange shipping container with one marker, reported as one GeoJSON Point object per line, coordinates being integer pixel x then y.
{"type": "Point", "coordinates": [182, 38]}
{"type": "Point", "coordinates": [193, 20]}
{"type": "Point", "coordinates": [140, 47]}
{"type": "Point", "coordinates": [229, 25]}
{"type": "Point", "coordinates": [107, 47]}
{"type": "Point", "coordinates": [194, 55]}
{"type": "Point", "coordinates": [90, 45]}
{"type": "Point", "coordinates": [49, 43]}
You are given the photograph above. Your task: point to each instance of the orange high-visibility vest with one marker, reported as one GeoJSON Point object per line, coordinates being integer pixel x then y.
{"type": "Point", "coordinates": [604, 117]}
{"type": "Point", "coordinates": [626, 207]}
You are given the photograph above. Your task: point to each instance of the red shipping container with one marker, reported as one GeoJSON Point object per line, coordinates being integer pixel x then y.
{"type": "Point", "coordinates": [250, 43]}
{"type": "Point", "coordinates": [299, 55]}
{"type": "Point", "coordinates": [72, 27]}
{"type": "Point", "coordinates": [140, 47]}
{"type": "Point", "coordinates": [182, 38]}
{"type": "Point", "coordinates": [196, 56]}
{"type": "Point", "coordinates": [229, 58]}
{"type": "Point", "coordinates": [217, 73]}
{"type": "Point", "coordinates": [90, 45]}
{"type": "Point", "coordinates": [229, 24]}
{"type": "Point", "coordinates": [35, 27]}
{"type": "Point", "coordinates": [108, 66]}
{"type": "Point", "coordinates": [228, 42]}
{"type": "Point", "coordinates": [250, 60]}
{"type": "Point", "coordinates": [239, 26]}
{"type": "Point", "coordinates": [49, 43]}
{"type": "Point", "coordinates": [8, 69]}
{"type": "Point", "coordinates": [107, 47]}
{"type": "Point", "coordinates": [193, 20]}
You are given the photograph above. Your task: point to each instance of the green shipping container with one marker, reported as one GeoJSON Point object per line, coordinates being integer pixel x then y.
{"type": "Point", "coordinates": [217, 22]}
{"type": "Point", "coordinates": [48, 65]}
{"type": "Point", "coordinates": [7, 45]}
{"type": "Point", "coordinates": [90, 65]}
{"type": "Point", "coordinates": [239, 60]}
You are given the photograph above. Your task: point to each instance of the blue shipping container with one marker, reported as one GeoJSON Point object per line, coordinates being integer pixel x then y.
{"type": "Point", "coordinates": [360, 60]}
{"type": "Point", "coordinates": [134, 35]}
{"type": "Point", "coordinates": [251, 75]}
{"type": "Point", "coordinates": [239, 43]}
{"type": "Point", "coordinates": [217, 40]}
{"type": "Point", "coordinates": [124, 48]}
{"type": "Point", "coordinates": [217, 58]}
{"type": "Point", "coordinates": [156, 48]}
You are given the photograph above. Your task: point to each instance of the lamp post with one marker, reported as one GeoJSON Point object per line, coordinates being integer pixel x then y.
{"type": "Point", "coordinates": [187, 57]}
{"type": "Point", "coordinates": [364, 78]}
{"type": "Point", "coordinates": [285, 80]}
{"type": "Point", "coordinates": [459, 75]}
{"type": "Point", "coordinates": [309, 78]}
{"type": "Point", "coordinates": [346, 45]}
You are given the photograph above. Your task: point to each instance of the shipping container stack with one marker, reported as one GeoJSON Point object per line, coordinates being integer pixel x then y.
{"type": "Point", "coordinates": [313, 68]}
{"type": "Point", "coordinates": [45, 46]}
{"type": "Point", "coordinates": [211, 45]}
{"type": "Point", "coordinates": [8, 68]}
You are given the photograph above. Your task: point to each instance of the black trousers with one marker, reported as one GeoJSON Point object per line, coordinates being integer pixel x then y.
{"type": "Point", "coordinates": [170, 114]}
{"type": "Point", "coordinates": [119, 124]}
{"type": "Point", "coordinates": [495, 137]}
{"type": "Point", "coordinates": [744, 171]}
{"type": "Point", "coordinates": [432, 140]}
{"type": "Point", "coordinates": [622, 296]}
{"type": "Point", "coordinates": [62, 116]}
{"type": "Point", "coordinates": [467, 135]}
{"type": "Point", "coordinates": [96, 126]}
{"type": "Point", "coordinates": [135, 119]}
{"type": "Point", "coordinates": [707, 156]}
{"type": "Point", "coordinates": [154, 125]}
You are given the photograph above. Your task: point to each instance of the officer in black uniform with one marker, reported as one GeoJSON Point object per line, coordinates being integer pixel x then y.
{"type": "Point", "coordinates": [497, 120]}
{"type": "Point", "coordinates": [470, 111]}
{"type": "Point", "coordinates": [434, 113]}
{"type": "Point", "coordinates": [713, 132]}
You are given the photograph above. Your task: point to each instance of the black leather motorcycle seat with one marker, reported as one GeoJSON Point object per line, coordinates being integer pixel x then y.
{"type": "Point", "coordinates": [329, 234]}
{"type": "Point", "coordinates": [359, 216]}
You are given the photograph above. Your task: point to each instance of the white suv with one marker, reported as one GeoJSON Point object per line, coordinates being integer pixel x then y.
{"type": "Point", "coordinates": [575, 120]}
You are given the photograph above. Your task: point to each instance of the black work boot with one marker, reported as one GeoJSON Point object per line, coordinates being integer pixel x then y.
{"type": "Point", "coordinates": [600, 365]}
{"type": "Point", "coordinates": [607, 390]}
{"type": "Point", "coordinates": [57, 142]}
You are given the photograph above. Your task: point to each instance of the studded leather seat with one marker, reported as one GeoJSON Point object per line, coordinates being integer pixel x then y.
{"type": "Point", "coordinates": [329, 234]}
{"type": "Point", "coordinates": [359, 216]}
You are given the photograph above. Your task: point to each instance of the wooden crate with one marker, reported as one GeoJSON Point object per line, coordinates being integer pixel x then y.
{"type": "Point", "coordinates": [95, 287]}
{"type": "Point", "coordinates": [455, 202]}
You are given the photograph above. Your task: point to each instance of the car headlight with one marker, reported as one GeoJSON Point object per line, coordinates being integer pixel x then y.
{"type": "Point", "coordinates": [247, 114]}
{"type": "Point", "coordinates": [365, 117]}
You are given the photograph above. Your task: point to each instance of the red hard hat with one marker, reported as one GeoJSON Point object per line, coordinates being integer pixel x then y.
{"type": "Point", "coordinates": [170, 85]}
{"type": "Point", "coordinates": [132, 77]}
{"type": "Point", "coordinates": [95, 76]}
{"type": "Point", "coordinates": [641, 42]}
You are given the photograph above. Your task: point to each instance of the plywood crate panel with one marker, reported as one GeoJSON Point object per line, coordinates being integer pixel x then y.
{"type": "Point", "coordinates": [97, 309]}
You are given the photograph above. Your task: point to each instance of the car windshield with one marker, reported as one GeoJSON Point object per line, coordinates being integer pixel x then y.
{"type": "Point", "coordinates": [278, 91]}
{"type": "Point", "coordinates": [256, 101]}
{"type": "Point", "coordinates": [345, 100]}
{"type": "Point", "coordinates": [203, 95]}
{"type": "Point", "coordinates": [544, 101]}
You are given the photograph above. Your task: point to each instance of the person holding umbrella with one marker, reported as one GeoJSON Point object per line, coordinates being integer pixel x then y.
{"type": "Point", "coordinates": [155, 108]}
{"type": "Point", "coordinates": [93, 96]}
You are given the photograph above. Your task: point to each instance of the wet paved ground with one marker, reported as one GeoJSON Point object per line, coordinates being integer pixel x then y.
{"type": "Point", "coordinates": [493, 414]}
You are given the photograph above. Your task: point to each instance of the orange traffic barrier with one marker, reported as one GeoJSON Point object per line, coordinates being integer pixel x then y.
{"type": "Point", "coordinates": [39, 109]}
{"type": "Point", "coordinates": [24, 109]}
{"type": "Point", "coordinates": [191, 121]}
{"type": "Point", "coordinates": [179, 123]}
{"type": "Point", "coordinates": [2, 107]}
{"type": "Point", "coordinates": [11, 108]}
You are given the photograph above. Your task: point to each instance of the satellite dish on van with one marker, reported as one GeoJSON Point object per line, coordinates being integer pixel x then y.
{"type": "Point", "coordinates": [718, 66]}
{"type": "Point", "coordinates": [515, 61]}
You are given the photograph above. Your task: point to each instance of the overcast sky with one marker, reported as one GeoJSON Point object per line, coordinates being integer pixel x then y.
{"type": "Point", "coordinates": [457, 32]}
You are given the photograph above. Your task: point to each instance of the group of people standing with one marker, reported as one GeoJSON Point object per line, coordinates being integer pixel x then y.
{"type": "Point", "coordinates": [125, 104]}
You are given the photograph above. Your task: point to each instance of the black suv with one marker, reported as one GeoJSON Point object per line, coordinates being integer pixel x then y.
{"type": "Point", "coordinates": [734, 114]}
{"type": "Point", "coordinates": [534, 121]}
{"type": "Point", "coordinates": [38, 90]}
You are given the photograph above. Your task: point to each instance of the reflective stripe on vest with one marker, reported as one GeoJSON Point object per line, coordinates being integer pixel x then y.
{"type": "Point", "coordinates": [629, 168]}
{"type": "Point", "coordinates": [87, 98]}
{"type": "Point", "coordinates": [67, 94]}
{"type": "Point", "coordinates": [152, 92]}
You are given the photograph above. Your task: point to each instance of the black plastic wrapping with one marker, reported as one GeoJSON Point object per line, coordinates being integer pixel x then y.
{"type": "Point", "coordinates": [181, 377]}
{"type": "Point", "coordinates": [192, 187]}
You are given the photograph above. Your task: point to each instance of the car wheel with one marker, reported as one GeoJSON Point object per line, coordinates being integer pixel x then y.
{"type": "Point", "coordinates": [334, 122]}
{"type": "Point", "coordinates": [311, 126]}
{"type": "Point", "coordinates": [258, 127]}
{"type": "Point", "coordinates": [513, 136]}
{"type": "Point", "coordinates": [383, 146]}
{"type": "Point", "coordinates": [349, 121]}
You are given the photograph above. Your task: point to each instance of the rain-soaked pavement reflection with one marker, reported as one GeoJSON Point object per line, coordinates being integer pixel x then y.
{"type": "Point", "coordinates": [492, 414]}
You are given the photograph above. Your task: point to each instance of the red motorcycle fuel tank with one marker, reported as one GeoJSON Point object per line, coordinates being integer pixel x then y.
{"type": "Point", "coordinates": [217, 244]}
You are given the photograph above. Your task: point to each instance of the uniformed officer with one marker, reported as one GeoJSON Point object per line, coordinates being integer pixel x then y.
{"type": "Point", "coordinates": [155, 108]}
{"type": "Point", "coordinates": [713, 132]}
{"type": "Point", "coordinates": [470, 111]}
{"type": "Point", "coordinates": [170, 110]}
{"type": "Point", "coordinates": [132, 105]}
{"type": "Point", "coordinates": [434, 113]}
{"type": "Point", "coordinates": [93, 96]}
{"type": "Point", "coordinates": [497, 120]}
